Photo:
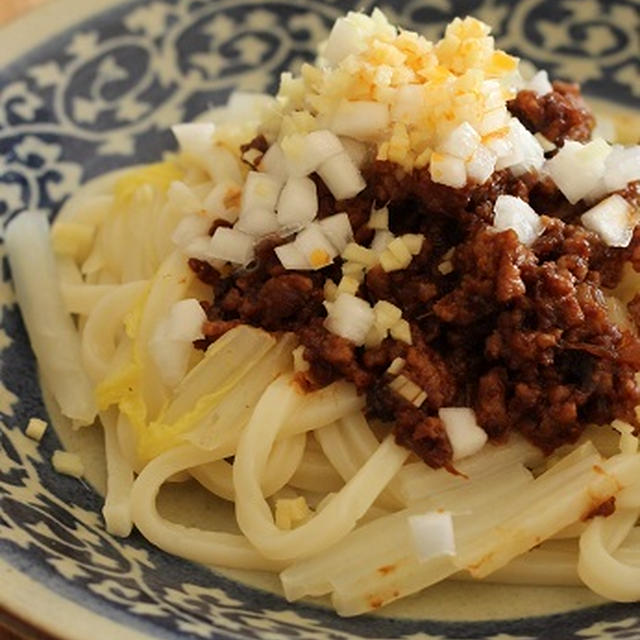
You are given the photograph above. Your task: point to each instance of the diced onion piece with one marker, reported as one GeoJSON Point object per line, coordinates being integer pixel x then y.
{"type": "Point", "coordinates": [348, 285]}
{"type": "Point", "coordinates": [408, 104]}
{"type": "Point", "coordinates": [305, 153]}
{"type": "Point", "coordinates": [260, 192]}
{"type": "Point", "coordinates": [432, 534]}
{"type": "Point", "coordinates": [223, 201]}
{"type": "Point", "coordinates": [291, 257]}
{"type": "Point", "coordinates": [194, 138]}
{"type": "Point", "coordinates": [513, 213]}
{"type": "Point", "coordinates": [36, 428]}
{"type": "Point", "coordinates": [612, 219]}
{"type": "Point", "coordinates": [341, 176]}
{"type": "Point", "coordinates": [545, 143]}
{"type": "Point", "coordinates": [540, 84]}
{"type": "Point", "coordinates": [171, 344]}
{"type": "Point", "coordinates": [67, 463]}
{"type": "Point", "coordinates": [622, 167]}
{"type": "Point", "coordinates": [387, 314]}
{"type": "Point", "coordinates": [185, 320]}
{"type": "Point", "coordinates": [232, 245]}
{"type": "Point", "coordinates": [258, 222]}
{"type": "Point", "coordinates": [356, 150]}
{"type": "Point", "coordinates": [350, 318]}
{"type": "Point", "coordinates": [461, 142]}
{"type": "Point", "coordinates": [576, 168]}
{"type": "Point", "coordinates": [315, 246]}
{"type": "Point", "coordinates": [190, 228]}
{"type": "Point", "coordinates": [413, 242]}
{"type": "Point", "coordinates": [481, 164]}
{"type": "Point", "coordinates": [358, 253]}
{"type": "Point", "coordinates": [494, 120]}
{"type": "Point", "coordinates": [246, 106]}
{"type": "Point", "coordinates": [381, 240]}
{"type": "Point", "coordinates": [448, 170]}
{"type": "Point", "coordinates": [396, 366]}
{"type": "Point", "coordinates": [298, 203]}
{"type": "Point", "coordinates": [274, 162]}
{"type": "Point", "coordinates": [345, 39]}
{"type": "Point", "coordinates": [379, 219]}
{"type": "Point", "coordinates": [199, 248]}
{"type": "Point", "coordinates": [526, 154]}
{"type": "Point", "coordinates": [401, 330]}
{"type": "Point", "coordinates": [361, 119]}
{"type": "Point", "coordinates": [171, 357]}
{"type": "Point", "coordinates": [389, 262]}
{"type": "Point", "coordinates": [400, 251]}
{"type": "Point", "coordinates": [290, 512]}
{"type": "Point", "coordinates": [464, 434]}
{"type": "Point", "coordinates": [338, 230]}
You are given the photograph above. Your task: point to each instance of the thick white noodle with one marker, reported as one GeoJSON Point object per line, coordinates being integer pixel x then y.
{"type": "Point", "coordinates": [208, 547]}
{"type": "Point", "coordinates": [117, 503]}
{"type": "Point", "coordinates": [600, 569]}
{"type": "Point", "coordinates": [340, 514]}
{"type": "Point", "coordinates": [285, 458]}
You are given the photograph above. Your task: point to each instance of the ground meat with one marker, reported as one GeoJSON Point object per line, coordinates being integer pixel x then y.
{"type": "Point", "coordinates": [559, 115]}
{"type": "Point", "coordinates": [604, 509]}
{"type": "Point", "coordinates": [521, 334]}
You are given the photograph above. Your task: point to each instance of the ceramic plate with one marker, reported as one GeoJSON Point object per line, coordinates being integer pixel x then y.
{"type": "Point", "coordinates": [86, 87]}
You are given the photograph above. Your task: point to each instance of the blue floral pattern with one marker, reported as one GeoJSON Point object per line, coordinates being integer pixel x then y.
{"type": "Point", "coordinates": [103, 95]}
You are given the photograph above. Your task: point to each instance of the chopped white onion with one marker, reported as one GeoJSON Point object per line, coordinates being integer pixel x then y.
{"type": "Point", "coordinates": [622, 167]}
{"type": "Point", "coordinates": [190, 228]}
{"type": "Point", "coordinates": [481, 165]}
{"type": "Point", "coordinates": [341, 176]}
{"type": "Point", "coordinates": [612, 219]}
{"type": "Point", "coordinates": [245, 106]}
{"type": "Point", "coordinates": [408, 104]}
{"type": "Point", "coordinates": [540, 84]}
{"type": "Point", "coordinates": [494, 120]}
{"type": "Point", "coordinates": [432, 534]}
{"type": "Point", "coordinates": [577, 167]}
{"type": "Point", "coordinates": [260, 191]}
{"type": "Point", "coordinates": [305, 153]}
{"type": "Point", "coordinates": [231, 245]}
{"type": "Point", "coordinates": [461, 142]}
{"type": "Point", "coordinates": [223, 201]}
{"type": "Point", "coordinates": [315, 246]}
{"type": "Point", "coordinates": [464, 433]}
{"type": "Point", "coordinates": [184, 320]}
{"type": "Point", "coordinates": [291, 257]}
{"type": "Point", "coordinates": [274, 162]}
{"type": "Point", "coordinates": [345, 39]}
{"type": "Point", "coordinates": [513, 213]}
{"type": "Point", "coordinates": [526, 154]}
{"type": "Point", "coordinates": [337, 228]}
{"type": "Point", "coordinates": [297, 204]}
{"type": "Point", "coordinates": [350, 317]}
{"type": "Point", "coordinates": [258, 222]}
{"type": "Point", "coordinates": [381, 240]}
{"type": "Point", "coordinates": [360, 119]}
{"type": "Point", "coordinates": [448, 170]}
{"type": "Point", "coordinates": [199, 248]}
{"type": "Point", "coordinates": [171, 344]}
{"type": "Point", "coordinates": [194, 138]}
{"type": "Point", "coordinates": [356, 150]}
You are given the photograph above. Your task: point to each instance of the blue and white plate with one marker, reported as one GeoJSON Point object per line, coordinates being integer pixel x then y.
{"type": "Point", "coordinates": [89, 86]}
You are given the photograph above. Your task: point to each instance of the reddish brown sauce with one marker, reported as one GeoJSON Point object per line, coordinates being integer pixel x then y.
{"type": "Point", "coordinates": [522, 335]}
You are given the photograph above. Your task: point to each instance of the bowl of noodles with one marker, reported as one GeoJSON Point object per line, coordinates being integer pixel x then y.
{"type": "Point", "coordinates": [319, 320]}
